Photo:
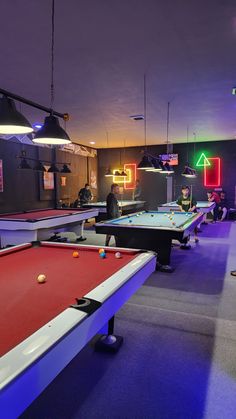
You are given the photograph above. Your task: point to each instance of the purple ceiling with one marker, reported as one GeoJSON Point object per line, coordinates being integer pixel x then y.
{"type": "Point", "coordinates": [103, 48]}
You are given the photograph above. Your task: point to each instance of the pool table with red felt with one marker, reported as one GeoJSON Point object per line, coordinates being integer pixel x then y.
{"type": "Point", "coordinates": [35, 225]}
{"type": "Point", "coordinates": [41, 326]}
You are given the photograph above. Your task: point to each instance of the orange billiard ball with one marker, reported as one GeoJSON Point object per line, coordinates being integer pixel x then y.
{"type": "Point", "coordinates": [75, 254]}
{"type": "Point", "coordinates": [101, 251]}
{"type": "Point", "coordinates": [41, 278]}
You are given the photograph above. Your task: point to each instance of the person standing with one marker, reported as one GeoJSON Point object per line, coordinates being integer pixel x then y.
{"type": "Point", "coordinates": [137, 190]}
{"type": "Point", "coordinates": [112, 206]}
{"type": "Point", "coordinates": [85, 195]}
{"type": "Point", "coordinates": [188, 203]}
{"type": "Point", "coordinates": [223, 206]}
{"type": "Point", "coordinates": [214, 197]}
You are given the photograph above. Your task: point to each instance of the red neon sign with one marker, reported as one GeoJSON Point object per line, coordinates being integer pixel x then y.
{"type": "Point", "coordinates": [130, 169]}
{"type": "Point", "coordinates": [212, 174]}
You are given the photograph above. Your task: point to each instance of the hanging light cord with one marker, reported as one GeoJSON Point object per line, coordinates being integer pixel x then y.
{"type": "Point", "coordinates": [187, 144]}
{"type": "Point", "coordinates": [52, 56]}
{"type": "Point", "coordinates": [167, 126]}
{"type": "Point", "coordinates": [145, 110]}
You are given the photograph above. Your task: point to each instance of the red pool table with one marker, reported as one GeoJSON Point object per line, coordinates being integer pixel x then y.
{"type": "Point", "coordinates": [35, 225]}
{"type": "Point", "coordinates": [41, 326]}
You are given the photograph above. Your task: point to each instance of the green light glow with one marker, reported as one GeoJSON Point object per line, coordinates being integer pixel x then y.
{"type": "Point", "coordinates": [203, 161]}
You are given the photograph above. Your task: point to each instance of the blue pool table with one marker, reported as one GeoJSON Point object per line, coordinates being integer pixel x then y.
{"type": "Point", "coordinates": [151, 230]}
{"type": "Point", "coordinates": [202, 206]}
{"type": "Point", "coordinates": [126, 207]}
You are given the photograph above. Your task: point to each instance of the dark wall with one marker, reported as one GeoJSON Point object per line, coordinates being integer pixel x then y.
{"type": "Point", "coordinates": [154, 186]}
{"type": "Point", "coordinates": [23, 189]}
{"type": "Point", "coordinates": [226, 150]}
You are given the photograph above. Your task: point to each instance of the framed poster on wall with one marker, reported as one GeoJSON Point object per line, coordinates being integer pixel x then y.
{"type": "Point", "coordinates": [48, 180]}
{"type": "Point", "coordinates": [1, 176]}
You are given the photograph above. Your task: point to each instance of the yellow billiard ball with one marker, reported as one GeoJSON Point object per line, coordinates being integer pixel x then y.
{"type": "Point", "coordinates": [75, 254]}
{"type": "Point", "coordinates": [41, 278]}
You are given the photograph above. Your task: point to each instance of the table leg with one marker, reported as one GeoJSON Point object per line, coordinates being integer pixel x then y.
{"type": "Point", "coordinates": [109, 342]}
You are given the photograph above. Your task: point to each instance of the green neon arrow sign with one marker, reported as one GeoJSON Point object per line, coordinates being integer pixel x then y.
{"type": "Point", "coordinates": [203, 161]}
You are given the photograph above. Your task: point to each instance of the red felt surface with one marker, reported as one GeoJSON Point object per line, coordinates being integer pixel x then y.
{"type": "Point", "coordinates": [38, 215]}
{"type": "Point", "coordinates": [26, 305]}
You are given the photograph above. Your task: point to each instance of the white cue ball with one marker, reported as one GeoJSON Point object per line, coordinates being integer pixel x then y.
{"type": "Point", "coordinates": [118, 255]}
{"type": "Point", "coordinates": [41, 278]}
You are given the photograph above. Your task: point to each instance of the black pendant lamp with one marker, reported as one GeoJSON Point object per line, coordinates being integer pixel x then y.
{"type": "Point", "coordinates": [24, 165]}
{"type": "Point", "coordinates": [65, 169]}
{"type": "Point", "coordinates": [53, 168]}
{"type": "Point", "coordinates": [11, 120]}
{"type": "Point", "coordinates": [189, 172]}
{"type": "Point", "coordinates": [39, 166]}
{"type": "Point", "coordinates": [156, 165]}
{"type": "Point", "coordinates": [109, 173]}
{"type": "Point", "coordinates": [51, 132]}
{"type": "Point", "coordinates": [145, 164]}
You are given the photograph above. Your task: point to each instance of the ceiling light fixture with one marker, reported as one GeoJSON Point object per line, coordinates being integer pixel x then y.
{"type": "Point", "coordinates": [53, 168]}
{"type": "Point", "coordinates": [65, 169]}
{"type": "Point", "coordinates": [39, 166]}
{"type": "Point", "coordinates": [51, 132]}
{"type": "Point", "coordinates": [11, 120]}
{"type": "Point", "coordinates": [109, 173]}
{"type": "Point", "coordinates": [24, 164]}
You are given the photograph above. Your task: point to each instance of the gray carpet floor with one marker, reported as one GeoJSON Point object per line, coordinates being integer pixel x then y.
{"type": "Point", "coordinates": [178, 359]}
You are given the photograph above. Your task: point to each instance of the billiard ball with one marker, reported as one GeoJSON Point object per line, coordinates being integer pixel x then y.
{"type": "Point", "coordinates": [102, 255]}
{"type": "Point", "coordinates": [152, 215]}
{"type": "Point", "coordinates": [101, 251]}
{"type": "Point", "coordinates": [75, 254]}
{"type": "Point", "coordinates": [173, 213]}
{"type": "Point", "coordinates": [41, 278]}
{"type": "Point", "coordinates": [117, 255]}
{"type": "Point", "coordinates": [130, 221]}
{"type": "Point", "coordinates": [173, 224]}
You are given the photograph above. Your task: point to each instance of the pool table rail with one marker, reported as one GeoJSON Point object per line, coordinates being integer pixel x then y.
{"type": "Point", "coordinates": [28, 368]}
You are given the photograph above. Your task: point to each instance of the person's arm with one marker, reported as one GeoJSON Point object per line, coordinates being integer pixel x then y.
{"type": "Point", "coordinates": [212, 199]}
{"type": "Point", "coordinates": [193, 206]}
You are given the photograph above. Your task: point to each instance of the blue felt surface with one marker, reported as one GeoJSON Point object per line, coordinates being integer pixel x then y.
{"type": "Point", "coordinates": [200, 204]}
{"type": "Point", "coordinates": [155, 219]}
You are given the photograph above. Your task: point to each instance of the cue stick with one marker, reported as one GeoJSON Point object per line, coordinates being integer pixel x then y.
{"type": "Point", "coordinates": [191, 195]}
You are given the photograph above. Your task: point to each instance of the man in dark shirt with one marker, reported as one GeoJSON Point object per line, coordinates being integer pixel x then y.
{"type": "Point", "coordinates": [112, 206]}
{"type": "Point", "coordinates": [214, 197]}
{"type": "Point", "coordinates": [188, 203]}
{"type": "Point", "coordinates": [137, 191]}
{"type": "Point", "coordinates": [85, 194]}
{"type": "Point", "coordinates": [223, 206]}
